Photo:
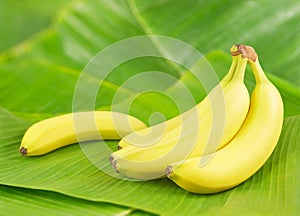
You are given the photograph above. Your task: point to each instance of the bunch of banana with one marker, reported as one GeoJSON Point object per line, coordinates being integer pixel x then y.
{"type": "Point", "coordinates": [214, 146]}
{"type": "Point", "coordinates": [52, 133]}
{"type": "Point", "coordinates": [146, 157]}
{"type": "Point", "coordinates": [151, 135]}
{"type": "Point", "coordinates": [249, 149]}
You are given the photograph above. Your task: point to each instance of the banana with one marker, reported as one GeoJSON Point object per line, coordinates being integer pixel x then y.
{"type": "Point", "coordinates": [155, 133]}
{"type": "Point", "coordinates": [53, 133]}
{"type": "Point", "coordinates": [250, 148]}
{"type": "Point", "coordinates": [193, 137]}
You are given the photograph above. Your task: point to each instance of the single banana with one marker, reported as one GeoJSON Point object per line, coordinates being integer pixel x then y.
{"type": "Point", "coordinates": [154, 134]}
{"type": "Point", "coordinates": [53, 133]}
{"type": "Point", "coordinates": [250, 148]}
{"type": "Point", "coordinates": [193, 138]}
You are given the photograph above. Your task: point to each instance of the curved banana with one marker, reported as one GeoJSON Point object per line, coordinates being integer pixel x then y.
{"type": "Point", "coordinates": [53, 133]}
{"type": "Point", "coordinates": [153, 135]}
{"type": "Point", "coordinates": [250, 148]}
{"type": "Point", "coordinates": [193, 138]}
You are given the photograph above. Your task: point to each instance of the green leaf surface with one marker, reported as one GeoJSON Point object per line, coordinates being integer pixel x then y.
{"type": "Point", "coordinates": [273, 189]}
{"type": "Point", "coordinates": [22, 201]}
{"type": "Point", "coordinates": [206, 24]}
{"type": "Point", "coordinates": [22, 19]}
{"type": "Point", "coordinates": [39, 79]}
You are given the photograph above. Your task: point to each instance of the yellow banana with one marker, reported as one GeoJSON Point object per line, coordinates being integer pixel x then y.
{"type": "Point", "coordinates": [53, 133]}
{"type": "Point", "coordinates": [250, 148]}
{"type": "Point", "coordinates": [193, 137]}
{"type": "Point", "coordinates": [152, 135]}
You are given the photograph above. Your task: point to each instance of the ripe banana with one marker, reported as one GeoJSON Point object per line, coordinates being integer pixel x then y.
{"type": "Point", "coordinates": [250, 148]}
{"type": "Point", "coordinates": [53, 133]}
{"type": "Point", "coordinates": [152, 135]}
{"type": "Point", "coordinates": [193, 137]}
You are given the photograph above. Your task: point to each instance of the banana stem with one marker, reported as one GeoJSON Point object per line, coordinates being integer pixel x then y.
{"type": "Point", "coordinates": [240, 69]}
{"type": "Point", "coordinates": [249, 53]}
{"type": "Point", "coordinates": [228, 77]}
{"type": "Point", "coordinates": [258, 72]}
{"type": "Point", "coordinates": [246, 51]}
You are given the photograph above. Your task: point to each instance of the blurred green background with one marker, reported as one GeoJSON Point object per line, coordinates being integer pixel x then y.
{"type": "Point", "coordinates": [20, 19]}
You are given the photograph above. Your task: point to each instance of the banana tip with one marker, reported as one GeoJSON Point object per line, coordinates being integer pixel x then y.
{"type": "Point", "coordinates": [23, 151]}
{"type": "Point", "coordinates": [120, 147]}
{"type": "Point", "coordinates": [113, 163]}
{"type": "Point", "coordinates": [169, 171]}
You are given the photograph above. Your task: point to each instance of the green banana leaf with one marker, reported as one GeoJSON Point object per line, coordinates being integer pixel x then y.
{"type": "Point", "coordinates": [17, 201]}
{"type": "Point", "coordinates": [273, 189]}
{"type": "Point", "coordinates": [40, 75]}
{"type": "Point", "coordinates": [21, 19]}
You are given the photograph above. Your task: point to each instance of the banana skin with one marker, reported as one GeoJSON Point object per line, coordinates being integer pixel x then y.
{"type": "Point", "coordinates": [52, 133]}
{"type": "Point", "coordinates": [153, 135]}
{"type": "Point", "coordinates": [247, 152]}
{"type": "Point", "coordinates": [150, 162]}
